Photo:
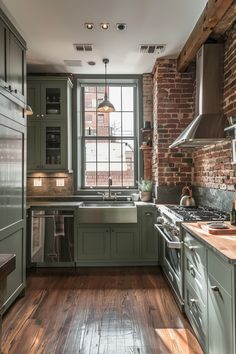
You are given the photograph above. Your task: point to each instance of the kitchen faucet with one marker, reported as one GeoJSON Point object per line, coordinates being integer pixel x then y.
{"type": "Point", "coordinates": [109, 186]}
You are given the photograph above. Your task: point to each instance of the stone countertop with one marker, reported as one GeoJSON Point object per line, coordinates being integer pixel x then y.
{"type": "Point", "coordinates": [224, 245]}
{"type": "Point", "coordinates": [7, 264]}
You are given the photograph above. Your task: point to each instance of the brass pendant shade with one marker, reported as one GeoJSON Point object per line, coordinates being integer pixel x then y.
{"type": "Point", "coordinates": [106, 106]}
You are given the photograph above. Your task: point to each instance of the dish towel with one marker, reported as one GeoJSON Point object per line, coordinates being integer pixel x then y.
{"type": "Point", "coordinates": [59, 226]}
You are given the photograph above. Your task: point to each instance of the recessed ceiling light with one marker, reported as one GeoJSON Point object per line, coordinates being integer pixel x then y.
{"type": "Point", "coordinates": [89, 25]}
{"type": "Point", "coordinates": [91, 62]}
{"type": "Point", "coordinates": [104, 25]}
{"type": "Point", "coordinates": [121, 26]}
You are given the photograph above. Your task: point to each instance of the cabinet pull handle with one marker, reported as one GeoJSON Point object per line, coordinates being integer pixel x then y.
{"type": "Point", "coordinates": [37, 115]}
{"type": "Point", "coordinates": [148, 213]}
{"type": "Point", "coordinates": [10, 88]}
{"type": "Point", "coordinates": [192, 270]}
{"type": "Point", "coordinates": [191, 248]}
{"type": "Point", "coordinates": [15, 91]}
{"type": "Point", "coordinates": [193, 301]}
{"type": "Point", "coordinates": [215, 288]}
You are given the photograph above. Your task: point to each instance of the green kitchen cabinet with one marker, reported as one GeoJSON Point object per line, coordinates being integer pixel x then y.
{"type": "Point", "coordinates": [94, 243]}
{"type": "Point", "coordinates": [50, 134]}
{"type": "Point", "coordinates": [209, 288]}
{"type": "Point", "coordinates": [147, 216]}
{"type": "Point", "coordinates": [12, 60]}
{"type": "Point", "coordinates": [221, 306]}
{"type": "Point", "coordinates": [107, 243]}
{"type": "Point", "coordinates": [124, 242]}
{"type": "Point", "coordinates": [49, 98]}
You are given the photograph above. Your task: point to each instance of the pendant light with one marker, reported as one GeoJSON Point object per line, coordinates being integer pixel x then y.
{"type": "Point", "coordinates": [106, 106]}
{"type": "Point", "coordinates": [28, 110]}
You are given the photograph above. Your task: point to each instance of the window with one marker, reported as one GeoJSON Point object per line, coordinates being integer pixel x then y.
{"type": "Point", "coordinates": [109, 138]}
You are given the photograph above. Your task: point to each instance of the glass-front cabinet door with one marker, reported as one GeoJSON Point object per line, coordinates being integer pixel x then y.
{"type": "Point", "coordinates": [54, 147]}
{"type": "Point", "coordinates": [53, 100]}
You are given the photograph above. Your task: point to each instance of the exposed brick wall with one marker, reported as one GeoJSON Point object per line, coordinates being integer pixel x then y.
{"type": "Point", "coordinates": [173, 110]}
{"type": "Point", "coordinates": [212, 165]}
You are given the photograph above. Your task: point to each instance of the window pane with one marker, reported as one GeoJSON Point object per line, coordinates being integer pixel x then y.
{"type": "Point", "coordinates": [116, 174]}
{"type": "Point", "coordinates": [90, 175]}
{"type": "Point", "coordinates": [102, 174]}
{"type": "Point", "coordinates": [128, 174]}
{"type": "Point", "coordinates": [103, 128]}
{"type": "Point", "coordinates": [128, 124]}
{"type": "Point", "coordinates": [127, 99]}
{"type": "Point", "coordinates": [90, 89]}
{"type": "Point", "coordinates": [90, 101]}
{"type": "Point", "coordinates": [115, 123]}
{"type": "Point", "coordinates": [115, 97]}
{"type": "Point", "coordinates": [102, 150]}
{"type": "Point", "coordinates": [128, 150]}
{"type": "Point", "coordinates": [90, 150]}
{"type": "Point", "coordinates": [115, 150]}
{"type": "Point", "coordinates": [90, 123]}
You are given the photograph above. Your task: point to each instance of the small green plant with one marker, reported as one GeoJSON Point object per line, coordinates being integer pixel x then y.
{"type": "Point", "coordinates": [145, 185]}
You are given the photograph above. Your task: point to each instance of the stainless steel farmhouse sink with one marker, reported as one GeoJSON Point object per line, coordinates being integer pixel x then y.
{"type": "Point", "coordinates": [101, 212]}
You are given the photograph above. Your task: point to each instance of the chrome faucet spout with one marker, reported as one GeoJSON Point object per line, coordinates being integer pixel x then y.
{"type": "Point", "coordinates": [109, 186]}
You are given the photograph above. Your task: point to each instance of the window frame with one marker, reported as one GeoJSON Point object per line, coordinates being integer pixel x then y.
{"type": "Point", "coordinates": [79, 156]}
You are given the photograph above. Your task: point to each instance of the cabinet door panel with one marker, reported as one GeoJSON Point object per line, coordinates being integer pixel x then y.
{"type": "Point", "coordinates": [53, 145]}
{"type": "Point", "coordinates": [3, 54]}
{"type": "Point", "coordinates": [11, 176]}
{"type": "Point", "coordinates": [93, 243]}
{"type": "Point", "coordinates": [124, 242]}
{"type": "Point", "coordinates": [220, 319]}
{"type": "Point", "coordinates": [149, 240]}
{"type": "Point", "coordinates": [53, 101]}
{"type": "Point", "coordinates": [33, 99]}
{"type": "Point", "coordinates": [33, 146]}
{"type": "Point", "coordinates": [14, 244]}
{"type": "Point", "coordinates": [16, 67]}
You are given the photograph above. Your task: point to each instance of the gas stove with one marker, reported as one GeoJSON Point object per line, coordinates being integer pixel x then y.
{"type": "Point", "coordinates": [200, 213]}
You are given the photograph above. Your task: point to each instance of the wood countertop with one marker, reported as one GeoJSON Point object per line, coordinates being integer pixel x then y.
{"type": "Point", "coordinates": [224, 245]}
{"type": "Point", "coordinates": [7, 264]}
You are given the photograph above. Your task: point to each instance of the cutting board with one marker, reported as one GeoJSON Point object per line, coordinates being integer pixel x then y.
{"type": "Point", "coordinates": [230, 231]}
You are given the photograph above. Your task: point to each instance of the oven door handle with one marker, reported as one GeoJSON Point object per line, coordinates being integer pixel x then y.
{"type": "Point", "coordinates": [170, 244]}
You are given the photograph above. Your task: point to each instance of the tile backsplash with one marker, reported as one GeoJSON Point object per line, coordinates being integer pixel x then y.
{"type": "Point", "coordinates": [50, 184]}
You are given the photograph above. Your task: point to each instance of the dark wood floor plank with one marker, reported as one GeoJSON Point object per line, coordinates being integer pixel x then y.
{"type": "Point", "coordinates": [97, 311]}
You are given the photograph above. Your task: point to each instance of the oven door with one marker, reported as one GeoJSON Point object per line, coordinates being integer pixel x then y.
{"type": "Point", "coordinates": [172, 261]}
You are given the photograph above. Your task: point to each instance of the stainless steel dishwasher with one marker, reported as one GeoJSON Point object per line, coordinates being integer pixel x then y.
{"type": "Point", "coordinates": [52, 237]}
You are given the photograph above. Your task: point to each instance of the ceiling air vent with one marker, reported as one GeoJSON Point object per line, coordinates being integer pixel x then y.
{"type": "Point", "coordinates": [74, 63]}
{"type": "Point", "coordinates": [151, 48]}
{"type": "Point", "coordinates": [83, 47]}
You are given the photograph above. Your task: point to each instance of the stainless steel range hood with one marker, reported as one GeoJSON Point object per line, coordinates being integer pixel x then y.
{"type": "Point", "coordinates": [208, 126]}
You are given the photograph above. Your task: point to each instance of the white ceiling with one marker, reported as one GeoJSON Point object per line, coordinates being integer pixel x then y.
{"type": "Point", "coordinates": [50, 27]}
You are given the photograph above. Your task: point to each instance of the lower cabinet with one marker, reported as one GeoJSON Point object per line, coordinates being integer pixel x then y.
{"type": "Point", "coordinates": [109, 244]}
{"type": "Point", "coordinates": [221, 316]}
{"type": "Point", "coordinates": [148, 236]}
{"type": "Point", "coordinates": [209, 297]}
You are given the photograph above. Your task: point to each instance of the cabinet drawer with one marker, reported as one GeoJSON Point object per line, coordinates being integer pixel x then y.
{"type": "Point", "coordinates": [195, 251]}
{"type": "Point", "coordinates": [196, 278]}
{"type": "Point", "coordinates": [196, 313]}
{"type": "Point", "coordinates": [220, 271]}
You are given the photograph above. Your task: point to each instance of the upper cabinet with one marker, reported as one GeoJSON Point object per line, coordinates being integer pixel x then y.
{"type": "Point", "coordinates": [49, 145]}
{"type": "Point", "coordinates": [48, 100]}
{"type": "Point", "coordinates": [12, 62]}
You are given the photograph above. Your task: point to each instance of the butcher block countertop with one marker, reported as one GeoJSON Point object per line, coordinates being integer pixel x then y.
{"type": "Point", "coordinates": [224, 245]}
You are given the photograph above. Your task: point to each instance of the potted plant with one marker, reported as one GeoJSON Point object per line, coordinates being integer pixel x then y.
{"type": "Point", "coordinates": [145, 190]}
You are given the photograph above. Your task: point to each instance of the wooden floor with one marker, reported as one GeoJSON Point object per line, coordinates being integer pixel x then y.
{"type": "Point", "coordinates": [97, 311]}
